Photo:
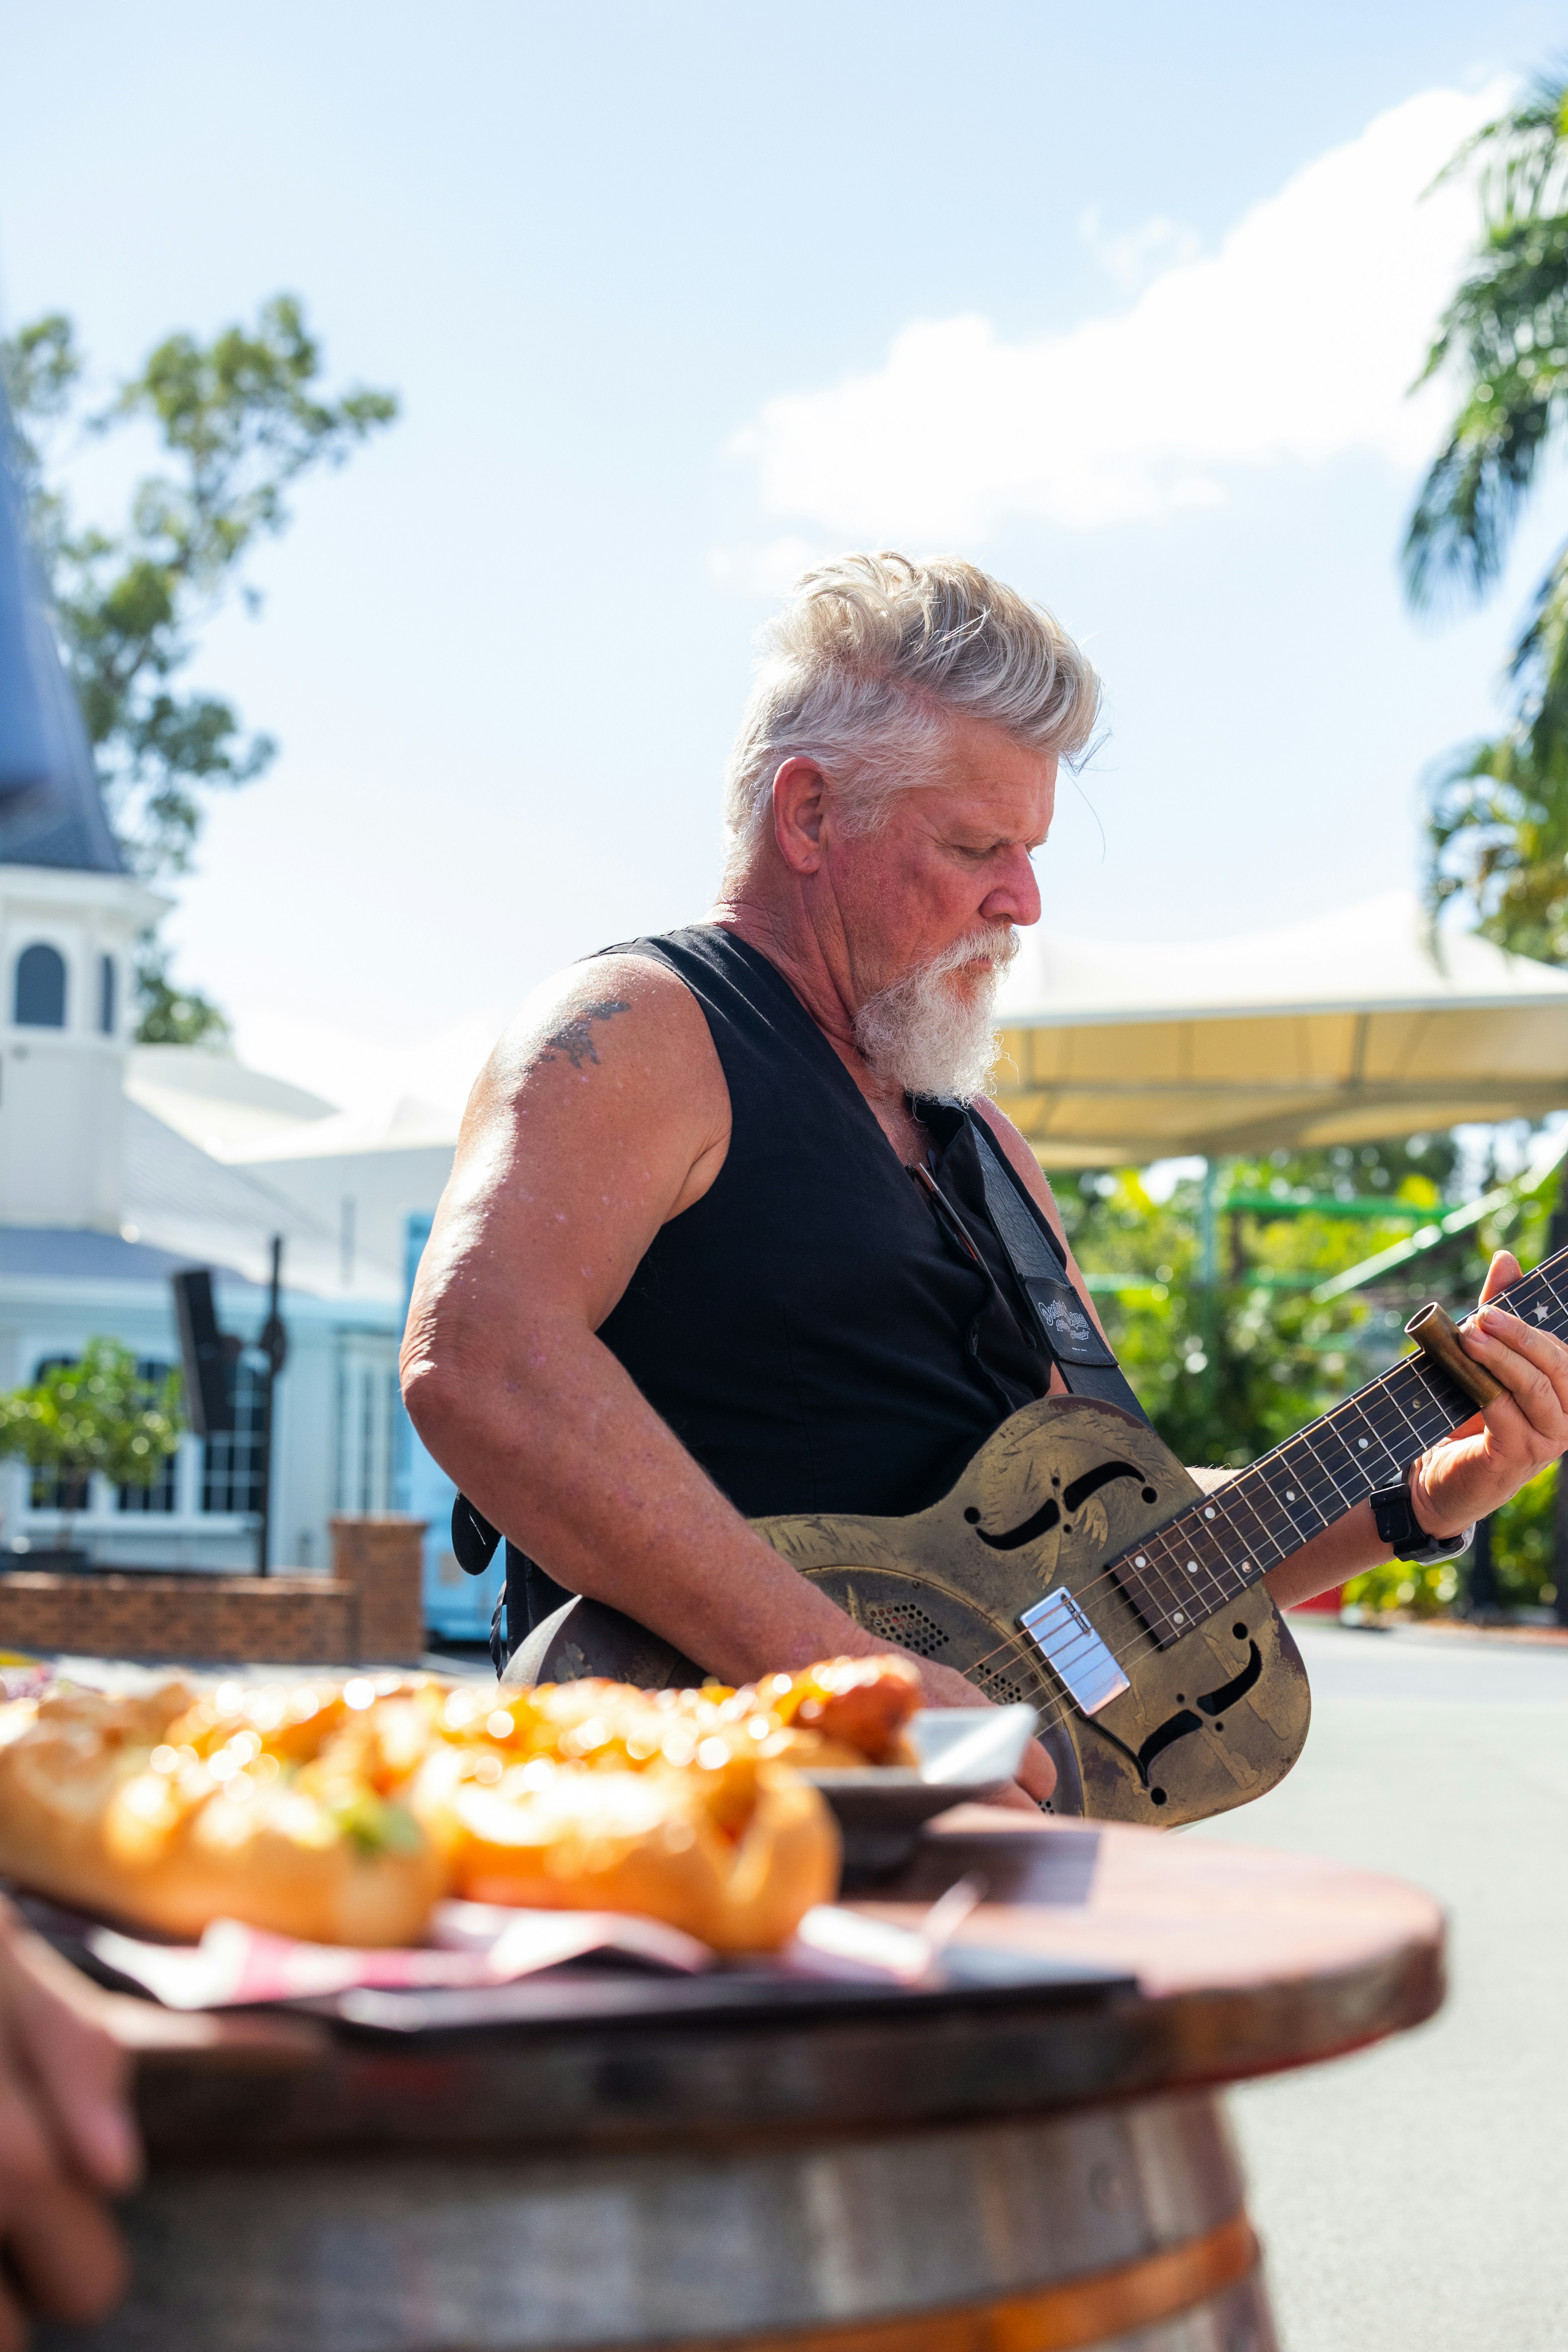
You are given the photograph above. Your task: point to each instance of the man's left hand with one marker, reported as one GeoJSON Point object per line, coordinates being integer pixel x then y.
{"type": "Point", "coordinates": [1489, 1458]}
{"type": "Point", "coordinates": [66, 2139]}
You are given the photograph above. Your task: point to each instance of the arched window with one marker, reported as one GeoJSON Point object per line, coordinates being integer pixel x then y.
{"type": "Point", "coordinates": [106, 994]}
{"type": "Point", "coordinates": [40, 988]}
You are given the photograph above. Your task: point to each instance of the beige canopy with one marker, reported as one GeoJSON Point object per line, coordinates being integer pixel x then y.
{"type": "Point", "coordinates": [1348, 1027]}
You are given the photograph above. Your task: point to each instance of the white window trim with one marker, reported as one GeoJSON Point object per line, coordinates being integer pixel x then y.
{"type": "Point", "coordinates": [150, 1523]}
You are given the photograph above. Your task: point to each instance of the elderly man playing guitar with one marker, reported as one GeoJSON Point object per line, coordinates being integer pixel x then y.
{"type": "Point", "coordinates": [733, 1233]}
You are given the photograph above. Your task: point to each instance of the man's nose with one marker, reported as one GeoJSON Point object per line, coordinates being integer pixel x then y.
{"type": "Point", "coordinates": [1016, 898]}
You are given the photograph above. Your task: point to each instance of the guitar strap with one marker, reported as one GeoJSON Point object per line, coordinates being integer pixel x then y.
{"type": "Point", "coordinates": [1065, 1327]}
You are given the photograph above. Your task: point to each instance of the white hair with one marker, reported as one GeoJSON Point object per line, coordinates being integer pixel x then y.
{"type": "Point", "coordinates": [871, 658]}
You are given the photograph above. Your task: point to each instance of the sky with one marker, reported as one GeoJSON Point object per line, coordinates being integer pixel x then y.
{"type": "Point", "coordinates": [1122, 303]}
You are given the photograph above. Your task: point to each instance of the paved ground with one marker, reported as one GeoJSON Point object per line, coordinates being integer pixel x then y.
{"type": "Point", "coordinates": [1416, 2198]}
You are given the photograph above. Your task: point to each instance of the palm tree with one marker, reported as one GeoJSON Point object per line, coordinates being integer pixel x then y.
{"type": "Point", "coordinates": [1498, 822]}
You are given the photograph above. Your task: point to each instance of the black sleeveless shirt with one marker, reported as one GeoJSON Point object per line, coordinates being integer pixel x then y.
{"type": "Point", "coordinates": [815, 1329]}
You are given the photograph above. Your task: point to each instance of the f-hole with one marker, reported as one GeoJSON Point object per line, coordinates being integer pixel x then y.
{"type": "Point", "coordinates": [1079, 1493]}
{"type": "Point", "coordinates": [1040, 1522]}
{"type": "Point", "coordinates": [1179, 1726]}
{"type": "Point", "coordinates": [1214, 1702]}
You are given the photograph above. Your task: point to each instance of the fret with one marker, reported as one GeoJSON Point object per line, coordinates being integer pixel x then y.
{"type": "Point", "coordinates": [1401, 1417]}
{"type": "Point", "coordinates": [1538, 1299]}
{"type": "Point", "coordinates": [1138, 1577]}
{"type": "Point", "coordinates": [1160, 1576]}
{"type": "Point", "coordinates": [1241, 1551]}
{"type": "Point", "coordinates": [1197, 1591]}
{"type": "Point", "coordinates": [1556, 1308]}
{"type": "Point", "coordinates": [1304, 1487]}
{"type": "Point", "coordinates": [1259, 1541]}
{"type": "Point", "coordinates": [1188, 1570]}
{"type": "Point", "coordinates": [1367, 1431]}
{"type": "Point", "coordinates": [1198, 1565]}
{"type": "Point", "coordinates": [1533, 1300]}
{"type": "Point", "coordinates": [1428, 1412]}
{"type": "Point", "coordinates": [1450, 1405]}
{"type": "Point", "coordinates": [1340, 1464]}
{"type": "Point", "coordinates": [1410, 1383]}
{"type": "Point", "coordinates": [1215, 1549]}
{"type": "Point", "coordinates": [1236, 1496]}
{"type": "Point", "coordinates": [1266, 1507]}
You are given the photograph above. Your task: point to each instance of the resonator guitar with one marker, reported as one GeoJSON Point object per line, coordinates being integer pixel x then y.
{"type": "Point", "coordinates": [1076, 1566]}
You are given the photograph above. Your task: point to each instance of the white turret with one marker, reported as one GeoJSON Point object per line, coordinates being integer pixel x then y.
{"type": "Point", "coordinates": [66, 945]}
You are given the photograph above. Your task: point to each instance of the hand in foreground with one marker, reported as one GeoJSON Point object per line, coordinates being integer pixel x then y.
{"type": "Point", "coordinates": [1490, 1457]}
{"type": "Point", "coordinates": [944, 1687]}
{"type": "Point", "coordinates": [66, 2140]}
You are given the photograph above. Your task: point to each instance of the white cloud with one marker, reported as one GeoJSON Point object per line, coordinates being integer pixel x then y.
{"type": "Point", "coordinates": [1133, 256]}
{"type": "Point", "coordinates": [1294, 343]}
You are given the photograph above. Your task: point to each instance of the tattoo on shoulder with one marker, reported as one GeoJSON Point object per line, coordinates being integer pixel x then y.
{"type": "Point", "coordinates": [574, 1037]}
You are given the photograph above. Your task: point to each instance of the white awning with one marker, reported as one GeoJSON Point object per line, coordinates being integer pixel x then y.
{"type": "Point", "coordinates": [1337, 1030]}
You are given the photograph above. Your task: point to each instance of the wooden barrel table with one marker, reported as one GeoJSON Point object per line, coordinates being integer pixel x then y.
{"type": "Point", "coordinates": [1030, 2156]}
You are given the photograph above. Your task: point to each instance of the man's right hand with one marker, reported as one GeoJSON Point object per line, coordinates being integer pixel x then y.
{"type": "Point", "coordinates": [66, 2140]}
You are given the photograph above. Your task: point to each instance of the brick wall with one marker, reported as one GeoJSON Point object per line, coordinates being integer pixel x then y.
{"type": "Point", "coordinates": [381, 1554]}
{"type": "Point", "coordinates": [296, 1620]}
{"type": "Point", "coordinates": [368, 1611]}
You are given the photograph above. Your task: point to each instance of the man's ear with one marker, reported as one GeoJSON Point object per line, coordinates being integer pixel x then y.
{"type": "Point", "coordinates": [800, 798]}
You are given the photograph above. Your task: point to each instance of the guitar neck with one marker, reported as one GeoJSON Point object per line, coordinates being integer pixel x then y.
{"type": "Point", "coordinates": [1218, 1548]}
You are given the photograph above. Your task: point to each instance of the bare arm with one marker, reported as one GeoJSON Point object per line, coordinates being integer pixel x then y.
{"type": "Point", "coordinates": [601, 1115]}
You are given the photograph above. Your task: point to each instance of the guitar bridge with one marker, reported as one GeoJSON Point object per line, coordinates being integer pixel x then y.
{"type": "Point", "coordinates": [1074, 1651]}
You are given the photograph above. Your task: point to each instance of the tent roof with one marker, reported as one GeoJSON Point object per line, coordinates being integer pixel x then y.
{"type": "Point", "coordinates": [1339, 1030]}
{"type": "Point", "coordinates": [1368, 958]}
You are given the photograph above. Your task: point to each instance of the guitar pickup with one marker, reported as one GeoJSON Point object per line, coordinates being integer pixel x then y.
{"type": "Point", "coordinates": [1074, 1651]}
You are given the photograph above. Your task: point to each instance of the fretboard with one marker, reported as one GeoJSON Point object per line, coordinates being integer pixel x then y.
{"type": "Point", "coordinates": [1202, 1560]}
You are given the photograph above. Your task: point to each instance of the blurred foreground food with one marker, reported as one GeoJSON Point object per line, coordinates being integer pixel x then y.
{"type": "Point", "coordinates": [341, 1811]}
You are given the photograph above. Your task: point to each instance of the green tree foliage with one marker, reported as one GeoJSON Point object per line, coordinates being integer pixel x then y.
{"type": "Point", "coordinates": [1227, 1375]}
{"type": "Point", "coordinates": [1499, 828]}
{"type": "Point", "coordinates": [235, 421]}
{"type": "Point", "coordinates": [1524, 1539]}
{"type": "Point", "coordinates": [97, 1413]}
{"type": "Point", "coordinates": [169, 1014]}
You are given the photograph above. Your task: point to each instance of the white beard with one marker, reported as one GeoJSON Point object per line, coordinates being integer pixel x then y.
{"type": "Point", "coordinates": [933, 1039]}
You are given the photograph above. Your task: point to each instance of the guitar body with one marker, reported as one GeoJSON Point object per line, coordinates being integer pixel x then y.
{"type": "Point", "coordinates": [1064, 1487]}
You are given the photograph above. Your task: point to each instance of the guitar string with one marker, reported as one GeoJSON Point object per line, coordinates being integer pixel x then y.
{"type": "Point", "coordinates": [1380, 1390]}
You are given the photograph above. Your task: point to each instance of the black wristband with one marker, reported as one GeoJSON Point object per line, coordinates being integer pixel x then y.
{"type": "Point", "coordinates": [1398, 1527]}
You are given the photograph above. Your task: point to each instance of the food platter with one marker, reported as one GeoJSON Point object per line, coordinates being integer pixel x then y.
{"type": "Point", "coordinates": [239, 1847]}
{"type": "Point", "coordinates": [967, 1754]}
